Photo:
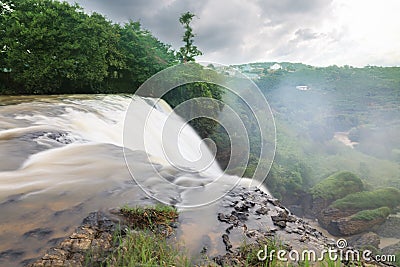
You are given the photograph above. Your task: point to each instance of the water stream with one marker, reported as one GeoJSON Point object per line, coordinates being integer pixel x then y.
{"type": "Point", "coordinates": [62, 157]}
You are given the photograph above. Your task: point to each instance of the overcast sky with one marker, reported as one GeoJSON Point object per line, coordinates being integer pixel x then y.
{"type": "Point", "coordinates": [315, 32]}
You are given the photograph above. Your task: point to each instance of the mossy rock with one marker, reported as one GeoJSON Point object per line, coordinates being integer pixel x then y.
{"type": "Point", "coordinates": [368, 200]}
{"type": "Point", "coordinates": [369, 215]}
{"type": "Point", "coordinates": [337, 186]}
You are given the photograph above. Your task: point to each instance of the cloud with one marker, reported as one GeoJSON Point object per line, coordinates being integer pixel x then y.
{"type": "Point", "coordinates": [318, 32]}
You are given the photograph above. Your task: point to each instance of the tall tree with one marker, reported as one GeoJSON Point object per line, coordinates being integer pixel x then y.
{"type": "Point", "coordinates": [188, 51]}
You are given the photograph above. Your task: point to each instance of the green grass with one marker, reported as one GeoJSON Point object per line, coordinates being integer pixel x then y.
{"type": "Point", "coordinates": [384, 197]}
{"type": "Point", "coordinates": [146, 248]}
{"type": "Point", "coordinates": [369, 215]}
{"type": "Point", "coordinates": [337, 186]}
{"type": "Point", "coordinates": [248, 256]}
{"type": "Point", "coordinates": [146, 242]}
{"type": "Point", "coordinates": [248, 252]}
{"type": "Point", "coordinates": [152, 217]}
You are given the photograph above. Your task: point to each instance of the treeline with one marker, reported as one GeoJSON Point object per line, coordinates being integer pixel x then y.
{"type": "Point", "coordinates": [51, 47]}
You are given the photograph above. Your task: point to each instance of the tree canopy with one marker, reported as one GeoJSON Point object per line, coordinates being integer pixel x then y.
{"type": "Point", "coordinates": [54, 47]}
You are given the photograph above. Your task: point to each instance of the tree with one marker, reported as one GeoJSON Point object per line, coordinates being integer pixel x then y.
{"type": "Point", "coordinates": [188, 51]}
{"type": "Point", "coordinates": [143, 56]}
{"type": "Point", "coordinates": [50, 45]}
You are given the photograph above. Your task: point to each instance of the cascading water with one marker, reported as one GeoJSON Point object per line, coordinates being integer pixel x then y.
{"type": "Point", "coordinates": [62, 157]}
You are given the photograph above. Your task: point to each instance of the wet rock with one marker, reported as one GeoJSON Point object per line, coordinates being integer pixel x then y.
{"type": "Point", "coordinates": [11, 254]}
{"type": "Point", "coordinates": [282, 218]}
{"type": "Point", "coordinates": [391, 227]}
{"type": "Point", "coordinates": [99, 220]}
{"type": "Point", "coordinates": [231, 219]}
{"type": "Point", "coordinates": [263, 210]}
{"type": "Point", "coordinates": [362, 240]}
{"type": "Point", "coordinates": [274, 201]}
{"type": "Point", "coordinates": [346, 226]}
{"type": "Point", "coordinates": [243, 206]}
{"type": "Point", "coordinates": [241, 216]}
{"type": "Point", "coordinates": [227, 242]}
{"type": "Point", "coordinates": [392, 249]}
{"type": "Point", "coordinates": [12, 199]}
{"type": "Point", "coordinates": [39, 233]}
{"type": "Point", "coordinates": [281, 224]}
{"type": "Point", "coordinates": [266, 219]}
{"type": "Point", "coordinates": [228, 230]}
{"type": "Point", "coordinates": [326, 216]}
{"type": "Point", "coordinates": [174, 225]}
{"type": "Point", "coordinates": [95, 235]}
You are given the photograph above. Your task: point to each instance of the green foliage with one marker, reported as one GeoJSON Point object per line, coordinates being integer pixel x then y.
{"type": "Point", "coordinates": [49, 47]}
{"type": "Point", "coordinates": [369, 215]}
{"type": "Point", "coordinates": [143, 55]}
{"type": "Point", "coordinates": [384, 197]}
{"type": "Point", "coordinates": [397, 257]}
{"type": "Point", "coordinates": [48, 43]}
{"type": "Point", "coordinates": [189, 51]}
{"type": "Point", "coordinates": [337, 186]}
{"type": "Point", "coordinates": [207, 88]}
{"type": "Point", "coordinates": [289, 177]}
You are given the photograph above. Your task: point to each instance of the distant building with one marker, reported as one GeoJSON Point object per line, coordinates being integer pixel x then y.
{"type": "Point", "coordinates": [302, 87]}
{"type": "Point", "coordinates": [276, 66]}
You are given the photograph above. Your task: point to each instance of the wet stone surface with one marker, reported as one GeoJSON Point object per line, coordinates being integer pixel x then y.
{"type": "Point", "coordinates": [252, 216]}
{"type": "Point", "coordinates": [94, 236]}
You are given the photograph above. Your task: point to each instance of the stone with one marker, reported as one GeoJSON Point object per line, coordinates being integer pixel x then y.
{"type": "Point", "coordinates": [391, 227]}
{"type": "Point", "coordinates": [362, 240]}
{"type": "Point", "coordinates": [227, 242]}
{"type": "Point", "coordinates": [263, 210]}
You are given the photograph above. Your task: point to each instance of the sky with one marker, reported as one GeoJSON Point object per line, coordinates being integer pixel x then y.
{"type": "Point", "coordinates": [315, 32]}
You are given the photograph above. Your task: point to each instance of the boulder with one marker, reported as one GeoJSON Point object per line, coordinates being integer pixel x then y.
{"type": "Point", "coordinates": [391, 227]}
{"type": "Point", "coordinates": [362, 240]}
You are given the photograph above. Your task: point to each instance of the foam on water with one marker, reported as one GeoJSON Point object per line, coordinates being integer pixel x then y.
{"type": "Point", "coordinates": [70, 152]}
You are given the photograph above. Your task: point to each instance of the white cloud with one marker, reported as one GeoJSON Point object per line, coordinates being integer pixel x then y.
{"type": "Point", "coordinates": [317, 32]}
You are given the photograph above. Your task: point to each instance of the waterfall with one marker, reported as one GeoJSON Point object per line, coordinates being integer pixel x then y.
{"type": "Point", "coordinates": [62, 157]}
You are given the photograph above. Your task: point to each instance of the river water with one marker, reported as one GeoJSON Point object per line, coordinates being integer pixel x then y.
{"type": "Point", "coordinates": [62, 157]}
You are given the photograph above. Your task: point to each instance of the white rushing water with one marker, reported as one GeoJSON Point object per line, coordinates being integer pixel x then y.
{"type": "Point", "coordinates": [62, 157]}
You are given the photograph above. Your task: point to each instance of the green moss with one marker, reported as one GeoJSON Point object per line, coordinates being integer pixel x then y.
{"type": "Point", "coordinates": [337, 186]}
{"type": "Point", "coordinates": [369, 215]}
{"type": "Point", "coordinates": [384, 197]}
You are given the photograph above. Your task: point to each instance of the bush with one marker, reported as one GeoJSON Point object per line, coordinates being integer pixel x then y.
{"type": "Point", "coordinates": [384, 197]}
